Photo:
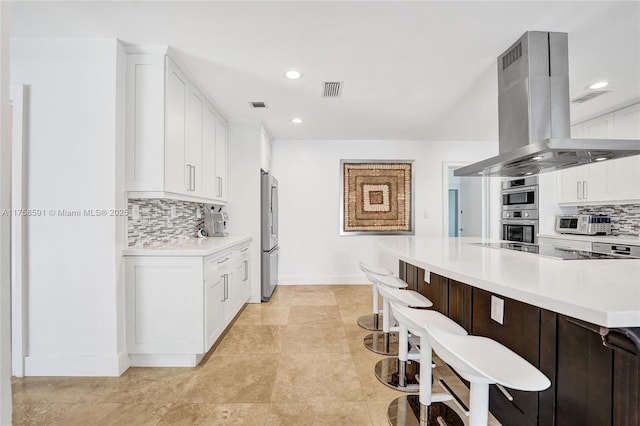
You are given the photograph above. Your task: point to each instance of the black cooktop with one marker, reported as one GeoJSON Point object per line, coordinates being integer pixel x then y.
{"type": "Point", "coordinates": [552, 252]}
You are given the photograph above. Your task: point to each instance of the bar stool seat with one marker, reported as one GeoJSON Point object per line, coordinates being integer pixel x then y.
{"type": "Point", "coordinates": [372, 321]}
{"type": "Point", "coordinates": [385, 342]}
{"type": "Point", "coordinates": [399, 373]}
{"type": "Point", "coordinates": [483, 361]}
{"type": "Point", "coordinates": [425, 408]}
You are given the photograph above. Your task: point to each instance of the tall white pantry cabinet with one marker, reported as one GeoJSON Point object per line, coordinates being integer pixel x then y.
{"type": "Point", "coordinates": [176, 140]}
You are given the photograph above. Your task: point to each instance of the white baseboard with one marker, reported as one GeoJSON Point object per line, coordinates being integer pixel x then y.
{"type": "Point", "coordinates": [321, 279]}
{"type": "Point", "coordinates": [69, 365]}
{"type": "Point", "coordinates": [138, 360]}
{"type": "Point", "coordinates": [123, 362]}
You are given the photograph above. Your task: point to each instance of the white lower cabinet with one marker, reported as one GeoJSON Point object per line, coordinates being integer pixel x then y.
{"type": "Point", "coordinates": [178, 306]}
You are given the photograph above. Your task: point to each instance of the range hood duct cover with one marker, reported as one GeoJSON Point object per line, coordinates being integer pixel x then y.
{"type": "Point", "coordinates": [533, 114]}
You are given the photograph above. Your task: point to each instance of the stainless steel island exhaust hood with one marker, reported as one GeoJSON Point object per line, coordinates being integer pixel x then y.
{"type": "Point", "coordinates": [533, 114]}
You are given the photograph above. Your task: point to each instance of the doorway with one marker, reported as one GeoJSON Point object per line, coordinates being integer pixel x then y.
{"type": "Point", "coordinates": [464, 204]}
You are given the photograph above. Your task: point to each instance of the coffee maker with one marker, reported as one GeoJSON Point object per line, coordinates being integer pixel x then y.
{"type": "Point", "coordinates": [215, 221]}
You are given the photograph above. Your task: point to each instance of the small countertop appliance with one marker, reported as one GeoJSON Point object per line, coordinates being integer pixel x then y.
{"type": "Point", "coordinates": [215, 221]}
{"type": "Point", "coordinates": [583, 224]}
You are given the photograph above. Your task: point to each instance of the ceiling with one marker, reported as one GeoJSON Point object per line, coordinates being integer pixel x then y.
{"type": "Point", "coordinates": [418, 70]}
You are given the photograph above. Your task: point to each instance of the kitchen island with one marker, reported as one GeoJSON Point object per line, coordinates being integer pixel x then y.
{"type": "Point", "coordinates": [557, 314]}
{"type": "Point", "coordinates": [602, 292]}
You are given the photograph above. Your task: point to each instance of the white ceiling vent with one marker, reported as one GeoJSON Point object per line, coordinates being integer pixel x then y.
{"type": "Point", "coordinates": [588, 96]}
{"type": "Point", "coordinates": [258, 104]}
{"type": "Point", "coordinates": [331, 89]}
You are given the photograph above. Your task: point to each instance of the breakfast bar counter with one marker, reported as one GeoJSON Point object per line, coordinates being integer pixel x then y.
{"type": "Point", "coordinates": [602, 292]}
{"type": "Point", "coordinates": [569, 318]}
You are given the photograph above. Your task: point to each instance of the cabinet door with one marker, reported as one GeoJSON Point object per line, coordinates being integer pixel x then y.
{"type": "Point", "coordinates": [520, 332]}
{"type": "Point", "coordinates": [626, 180]}
{"type": "Point", "coordinates": [177, 174]}
{"type": "Point", "coordinates": [221, 159]}
{"type": "Point", "coordinates": [194, 150]}
{"type": "Point", "coordinates": [245, 273]}
{"type": "Point", "coordinates": [570, 184]}
{"type": "Point", "coordinates": [213, 311]}
{"type": "Point", "coordinates": [210, 185]}
{"type": "Point", "coordinates": [584, 384]}
{"type": "Point", "coordinates": [165, 310]}
{"type": "Point", "coordinates": [460, 304]}
{"type": "Point", "coordinates": [435, 290]}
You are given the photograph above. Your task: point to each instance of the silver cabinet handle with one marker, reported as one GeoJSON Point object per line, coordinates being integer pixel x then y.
{"type": "Point", "coordinates": [244, 250]}
{"type": "Point", "coordinates": [219, 179]}
{"type": "Point", "coordinates": [579, 190]}
{"type": "Point", "coordinates": [187, 170]}
{"type": "Point", "coordinates": [220, 262]}
{"type": "Point", "coordinates": [193, 180]}
{"type": "Point", "coordinates": [246, 270]}
{"type": "Point", "coordinates": [585, 191]}
{"type": "Point", "coordinates": [223, 292]}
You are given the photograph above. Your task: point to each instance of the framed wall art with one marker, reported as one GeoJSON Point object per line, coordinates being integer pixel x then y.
{"type": "Point", "coordinates": [376, 197]}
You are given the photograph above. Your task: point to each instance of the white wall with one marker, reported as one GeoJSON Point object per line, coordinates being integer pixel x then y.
{"type": "Point", "coordinates": [312, 251]}
{"type": "Point", "coordinates": [5, 222]}
{"type": "Point", "coordinates": [75, 162]}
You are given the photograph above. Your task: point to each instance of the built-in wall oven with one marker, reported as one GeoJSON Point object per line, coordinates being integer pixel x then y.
{"type": "Point", "coordinates": [520, 210]}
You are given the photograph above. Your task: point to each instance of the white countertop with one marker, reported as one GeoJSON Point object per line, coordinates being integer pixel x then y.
{"type": "Point", "coordinates": [190, 247]}
{"type": "Point", "coordinates": [613, 239]}
{"type": "Point", "coordinates": [602, 292]}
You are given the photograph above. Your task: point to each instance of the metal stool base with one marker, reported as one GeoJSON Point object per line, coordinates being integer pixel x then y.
{"type": "Point", "coordinates": [368, 322]}
{"type": "Point", "coordinates": [405, 411]}
{"type": "Point", "coordinates": [386, 371]}
{"type": "Point", "coordinates": [382, 343]}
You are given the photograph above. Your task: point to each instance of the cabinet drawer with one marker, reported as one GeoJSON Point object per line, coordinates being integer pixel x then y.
{"type": "Point", "coordinates": [213, 263]}
{"type": "Point", "coordinates": [244, 252]}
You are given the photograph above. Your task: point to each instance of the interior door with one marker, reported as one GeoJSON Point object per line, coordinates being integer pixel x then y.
{"type": "Point", "coordinates": [470, 205]}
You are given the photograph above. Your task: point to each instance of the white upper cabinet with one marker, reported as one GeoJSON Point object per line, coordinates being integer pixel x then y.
{"type": "Point", "coordinates": [221, 159]}
{"type": "Point", "coordinates": [612, 181]}
{"type": "Point", "coordinates": [172, 134]}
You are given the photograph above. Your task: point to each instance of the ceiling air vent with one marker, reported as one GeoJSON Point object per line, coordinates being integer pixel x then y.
{"type": "Point", "coordinates": [258, 104]}
{"type": "Point", "coordinates": [588, 96]}
{"type": "Point", "coordinates": [331, 89]}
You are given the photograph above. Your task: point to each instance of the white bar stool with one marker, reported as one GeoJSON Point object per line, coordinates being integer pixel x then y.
{"type": "Point", "coordinates": [400, 373]}
{"type": "Point", "coordinates": [425, 408]}
{"type": "Point", "coordinates": [483, 361]}
{"type": "Point", "coordinates": [385, 342]}
{"type": "Point", "coordinates": [372, 321]}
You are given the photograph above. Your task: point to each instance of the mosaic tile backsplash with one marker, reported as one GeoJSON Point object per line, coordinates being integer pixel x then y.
{"type": "Point", "coordinates": [155, 225]}
{"type": "Point", "coordinates": [625, 219]}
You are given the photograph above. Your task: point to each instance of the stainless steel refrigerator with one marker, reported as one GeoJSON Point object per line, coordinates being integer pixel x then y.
{"type": "Point", "coordinates": [269, 234]}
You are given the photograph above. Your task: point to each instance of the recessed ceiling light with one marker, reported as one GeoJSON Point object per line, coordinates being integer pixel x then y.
{"type": "Point", "coordinates": [599, 85]}
{"type": "Point", "coordinates": [537, 157]}
{"type": "Point", "coordinates": [528, 173]}
{"type": "Point", "coordinates": [602, 158]}
{"type": "Point", "coordinates": [296, 120]}
{"type": "Point", "coordinates": [293, 74]}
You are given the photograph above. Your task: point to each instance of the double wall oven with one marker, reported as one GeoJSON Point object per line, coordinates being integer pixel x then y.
{"type": "Point", "coordinates": [520, 210]}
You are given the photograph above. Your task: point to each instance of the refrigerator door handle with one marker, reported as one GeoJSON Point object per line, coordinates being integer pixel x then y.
{"type": "Point", "coordinates": [274, 210]}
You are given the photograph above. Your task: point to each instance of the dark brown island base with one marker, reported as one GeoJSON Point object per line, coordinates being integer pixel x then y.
{"type": "Point", "coordinates": [595, 380]}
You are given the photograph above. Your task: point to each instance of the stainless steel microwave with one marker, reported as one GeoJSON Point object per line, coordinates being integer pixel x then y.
{"type": "Point", "coordinates": [520, 194]}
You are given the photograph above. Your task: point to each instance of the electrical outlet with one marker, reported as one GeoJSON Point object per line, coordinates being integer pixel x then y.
{"type": "Point", "coordinates": [173, 212]}
{"type": "Point", "coordinates": [135, 212]}
{"type": "Point", "coordinates": [497, 309]}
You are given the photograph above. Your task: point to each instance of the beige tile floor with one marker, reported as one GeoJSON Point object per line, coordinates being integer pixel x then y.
{"type": "Point", "coordinates": [297, 360]}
